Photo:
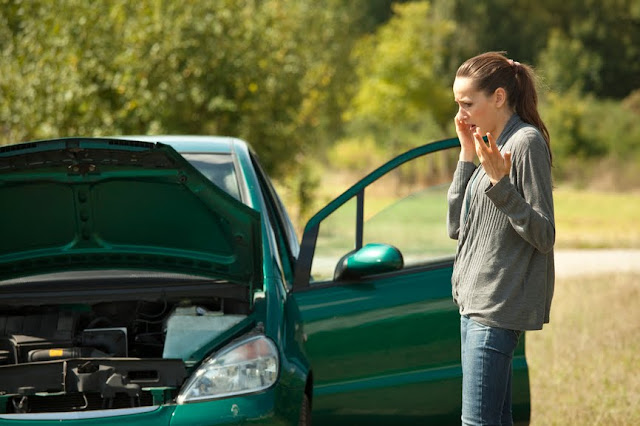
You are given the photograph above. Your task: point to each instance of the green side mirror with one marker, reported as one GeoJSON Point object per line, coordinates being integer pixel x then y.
{"type": "Point", "coordinates": [369, 260]}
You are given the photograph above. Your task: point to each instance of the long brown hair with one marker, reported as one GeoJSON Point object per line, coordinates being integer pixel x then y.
{"type": "Point", "coordinates": [491, 70]}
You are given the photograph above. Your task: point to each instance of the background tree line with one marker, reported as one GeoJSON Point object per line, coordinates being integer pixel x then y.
{"type": "Point", "coordinates": [345, 81]}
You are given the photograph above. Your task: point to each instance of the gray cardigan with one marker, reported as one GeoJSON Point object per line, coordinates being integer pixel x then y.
{"type": "Point", "coordinates": [503, 274]}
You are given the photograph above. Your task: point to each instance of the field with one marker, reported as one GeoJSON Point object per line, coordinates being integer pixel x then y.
{"type": "Point", "coordinates": [590, 219]}
{"type": "Point", "coordinates": [585, 365]}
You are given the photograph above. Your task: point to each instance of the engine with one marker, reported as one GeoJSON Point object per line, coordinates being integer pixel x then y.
{"type": "Point", "coordinates": [102, 356]}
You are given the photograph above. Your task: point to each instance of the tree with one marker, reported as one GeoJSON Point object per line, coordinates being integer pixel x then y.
{"type": "Point", "coordinates": [532, 31]}
{"type": "Point", "coordinates": [399, 69]}
{"type": "Point", "coordinates": [267, 71]}
{"type": "Point", "coordinates": [567, 65]}
{"type": "Point", "coordinates": [609, 30]}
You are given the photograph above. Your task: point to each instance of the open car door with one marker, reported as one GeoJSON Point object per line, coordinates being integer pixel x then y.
{"type": "Point", "coordinates": [373, 285]}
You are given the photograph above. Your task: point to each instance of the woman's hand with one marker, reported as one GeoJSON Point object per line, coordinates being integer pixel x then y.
{"type": "Point", "coordinates": [495, 165]}
{"type": "Point", "coordinates": [465, 134]}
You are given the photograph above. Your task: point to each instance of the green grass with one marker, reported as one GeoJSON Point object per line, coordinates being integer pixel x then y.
{"type": "Point", "coordinates": [584, 365]}
{"type": "Point", "coordinates": [590, 219]}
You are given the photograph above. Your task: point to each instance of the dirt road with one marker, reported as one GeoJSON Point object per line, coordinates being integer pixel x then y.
{"type": "Point", "coordinates": [581, 262]}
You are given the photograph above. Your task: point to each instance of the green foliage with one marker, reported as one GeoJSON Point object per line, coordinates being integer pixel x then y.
{"type": "Point", "coordinates": [567, 65]}
{"type": "Point", "coordinates": [356, 154]}
{"type": "Point", "coordinates": [399, 69]}
{"type": "Point", "coordinates": [584, 130]}
{"type": "Point", "coordinates": [406, 68]}
{"type": "Point", "coordinates": [572, 135]}
{"type": "Point", "coordinates": [285, 75]}
{"type": "Point", "coordinates": [502, 25]}
{"type": "Point", "coordinates": [632, 102]}
{"type": "Point", "coordinates": [606, 31]}
{"type": "Point", "coordinates": [300, 190]}
{"type": "Point", "coordinates": [261, 70]}
{"type": "Point", "coordinates": [402, 97]}
{"type": "Point", "coordinates": [610, 30]}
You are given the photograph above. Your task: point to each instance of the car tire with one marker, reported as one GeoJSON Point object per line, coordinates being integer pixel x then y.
{"type": "Point", "coordinates": [305, 411]}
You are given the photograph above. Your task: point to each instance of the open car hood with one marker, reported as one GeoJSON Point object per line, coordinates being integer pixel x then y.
{"type": "Point", "coordinates": [105, 204]}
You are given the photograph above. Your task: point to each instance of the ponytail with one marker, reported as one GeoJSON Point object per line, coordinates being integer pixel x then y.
{"type": "Point", "coordinates": [525, 99]}
{"type": "Point", "coordinates": [492, 70]}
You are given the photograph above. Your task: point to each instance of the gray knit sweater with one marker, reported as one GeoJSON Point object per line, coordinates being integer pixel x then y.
{"type": "Point", "coordinates": [503, 274]}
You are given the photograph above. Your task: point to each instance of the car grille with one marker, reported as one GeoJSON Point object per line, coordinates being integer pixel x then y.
{"type": "Point", "coordinates": [76, 402]}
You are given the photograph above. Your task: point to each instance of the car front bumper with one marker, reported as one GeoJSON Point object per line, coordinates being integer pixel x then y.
{"type": "Point", "coordinates": [272, 407]}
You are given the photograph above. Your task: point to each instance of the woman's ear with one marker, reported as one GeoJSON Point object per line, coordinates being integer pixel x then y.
{"type": "Point", "coordinates": [500, 96]}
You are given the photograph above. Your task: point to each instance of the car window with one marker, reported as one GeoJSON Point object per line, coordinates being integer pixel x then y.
{"type": "Point", "coordinates": [336, 237]}
{"type": "Point", "coordinates": [218, 168]}
{"type": "Point", "coordinates": [405, 208]}
{"type": "Point", "coordinates": [287, 241]}
{"type": "Point", "coordinates": [409, 212]}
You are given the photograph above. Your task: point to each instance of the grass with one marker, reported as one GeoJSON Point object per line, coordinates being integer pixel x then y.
{"type": "Point", "coordinates": [585, 365]}
{"type": "Point", "coordinates": [594, 219]}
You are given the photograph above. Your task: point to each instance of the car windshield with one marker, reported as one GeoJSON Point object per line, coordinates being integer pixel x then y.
{"type": "Point", "coordinates": [218, 168]}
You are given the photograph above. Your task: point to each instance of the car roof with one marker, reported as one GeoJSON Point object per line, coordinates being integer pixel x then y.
{"type": "Point", "coordinates": [191, 143]}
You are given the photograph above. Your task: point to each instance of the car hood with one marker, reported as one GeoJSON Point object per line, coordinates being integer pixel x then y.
{"type": "Point", "coordinates": [108, 204]}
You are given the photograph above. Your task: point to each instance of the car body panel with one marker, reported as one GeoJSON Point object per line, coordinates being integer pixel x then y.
{"type": "Point", "coordinates": [150, 416]}
{"type": "Point", "coordinates": [90, 188]}
{"type": "Point", "coordinates": [266, 408]}
{"type": "Point", "coordinates": [383, 348]}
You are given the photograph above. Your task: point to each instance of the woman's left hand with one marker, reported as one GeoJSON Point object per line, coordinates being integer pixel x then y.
{"type": "Point", "coordinates": [495, 165]}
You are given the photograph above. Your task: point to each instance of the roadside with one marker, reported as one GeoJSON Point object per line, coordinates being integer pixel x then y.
{"type": "Point", "coordinates": [574, 262]}
{"type": "Point", "coordinates": [583, 365]}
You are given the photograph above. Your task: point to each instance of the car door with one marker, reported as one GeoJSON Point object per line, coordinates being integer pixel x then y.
{"type": "Point", "coordinates": [385, 347]}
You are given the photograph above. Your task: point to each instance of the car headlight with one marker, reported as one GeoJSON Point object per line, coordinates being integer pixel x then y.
{"type": "Point", "coordinates": [249, 365]}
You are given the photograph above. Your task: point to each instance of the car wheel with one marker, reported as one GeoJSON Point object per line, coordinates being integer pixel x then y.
{"type": "Point", "coordinates": [305, 411]}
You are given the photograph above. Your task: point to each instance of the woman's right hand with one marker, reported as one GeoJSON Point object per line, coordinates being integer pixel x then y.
{"type": "Point", "coordinates": [465, 134]}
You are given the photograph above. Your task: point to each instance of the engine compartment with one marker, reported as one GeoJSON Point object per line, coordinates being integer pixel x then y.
{"type": "Point", "coordinates": [119, 354]}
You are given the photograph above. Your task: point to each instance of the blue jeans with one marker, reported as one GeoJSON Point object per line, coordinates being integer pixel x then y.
{"type": "Point", "coordinates": [487, 354]}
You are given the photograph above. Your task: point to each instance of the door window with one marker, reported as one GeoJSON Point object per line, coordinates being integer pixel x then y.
{"type": "Point", "coordinates": [336, 237]}
{"type": "Point", "coordinates": [406, 208]}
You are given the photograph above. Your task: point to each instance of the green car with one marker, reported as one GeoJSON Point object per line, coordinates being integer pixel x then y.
{"type": "Point", "coordinates": [159, 281]}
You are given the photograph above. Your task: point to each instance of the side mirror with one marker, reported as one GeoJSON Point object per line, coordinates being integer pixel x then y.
{"type": "Point", "coordinates": [369, 260]}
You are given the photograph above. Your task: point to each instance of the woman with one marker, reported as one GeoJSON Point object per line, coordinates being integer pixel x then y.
{"type": "Point", "coordinates": [501, 213]}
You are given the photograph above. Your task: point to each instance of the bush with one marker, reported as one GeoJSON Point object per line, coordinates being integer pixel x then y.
{"type": "Point", "coordinates": [356, 154]}
{"type": "Point", "coordinates": [592, 138]}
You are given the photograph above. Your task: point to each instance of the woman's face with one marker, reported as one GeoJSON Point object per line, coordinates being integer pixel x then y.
{"type": "Point", "coordinates": [475, 108]}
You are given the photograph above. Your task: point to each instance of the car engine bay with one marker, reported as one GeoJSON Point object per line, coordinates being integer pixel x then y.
{"type": "Point", "coordinates": [120, 354]}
